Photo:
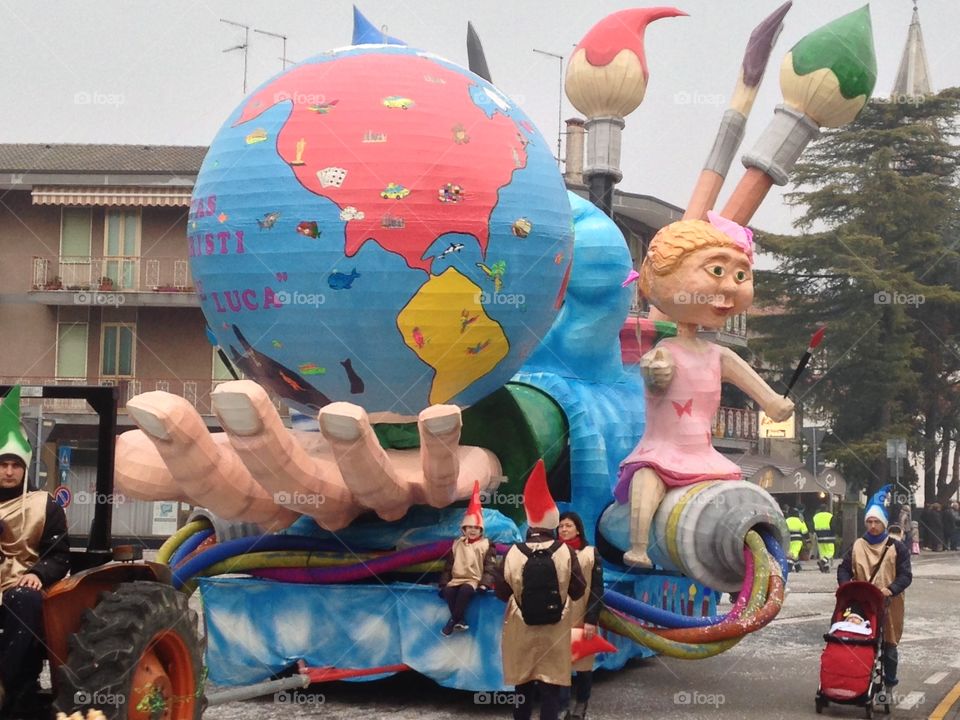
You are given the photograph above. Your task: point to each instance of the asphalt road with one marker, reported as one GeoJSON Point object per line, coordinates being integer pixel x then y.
{"type": "Point", "coordinates": [772, 674]}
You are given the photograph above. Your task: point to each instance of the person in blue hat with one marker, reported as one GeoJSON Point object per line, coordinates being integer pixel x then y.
{"type": "Point", "coordinates": [884, 561]}
{"type": "Point", "coordinates": [34, 554]}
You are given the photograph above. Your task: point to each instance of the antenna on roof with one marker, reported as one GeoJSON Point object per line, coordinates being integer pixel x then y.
{"type": "Point", "coordinates": [244, 47]}
{"type": "Point", "coordinates": [277, 35]}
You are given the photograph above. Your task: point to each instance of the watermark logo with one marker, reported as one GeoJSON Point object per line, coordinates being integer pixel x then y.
{"type": "Point", "coordinates": [498, 698]}
{"type": "Point", "coordinates": [98, 498]}
{"type": "Point", "coordinates": [298, 499]}
{"type": "Point", "coordinates": [285, 697]}
{"type": "Point", "coordinates": [300, 98]}
{"type": "Point", "coordinates": [687, 298]}
{"type": "Point", "coordinates": [901, 99]}
{"type": "Point", "coordinates": [493, 497]}
{"type": "Point", "coordinates": [85, 97]}
{"type": "Point", "coordinates": [697, 98]}
{"type": "Point", "coordinates": [300, 298]}
{"type": "Point", "coordinates": [685, 697]}
{"type": "Point", "coordinates": [98, 698]}
{"type": "Point", "coordinates": [99, 299]}
{"type": "Point", "coordinates": [499, 298]}
{"type": "Point", "coordinates": [885, 297]}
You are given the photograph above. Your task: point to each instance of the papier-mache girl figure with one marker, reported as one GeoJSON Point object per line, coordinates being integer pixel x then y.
{"type": "Point", "coordinates": [699, 274]}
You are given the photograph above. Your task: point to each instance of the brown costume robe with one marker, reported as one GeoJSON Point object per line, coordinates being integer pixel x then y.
{"type": "Point", "coordinates": [22, 520]}
{"type": "Point", "coordinates": [538, 652]}
{"type": "Point", "coordinates": [864, 561]}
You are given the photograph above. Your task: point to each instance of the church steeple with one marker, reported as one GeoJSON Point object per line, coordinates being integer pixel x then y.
{"type": "Point", "coordinates": [913, 76]}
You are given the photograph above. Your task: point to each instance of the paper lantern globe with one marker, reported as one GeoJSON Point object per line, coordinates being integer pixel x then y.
{"type": "Point", "coordinates": [380, 226]}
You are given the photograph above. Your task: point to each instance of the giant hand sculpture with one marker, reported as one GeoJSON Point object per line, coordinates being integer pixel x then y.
{"type": "Point", "coordinates": [261, 472]}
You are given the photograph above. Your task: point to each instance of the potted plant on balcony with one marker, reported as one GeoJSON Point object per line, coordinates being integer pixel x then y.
{"type": "Point", "coordinates": [106, 284]}
{"type": "Point", "coordinates": [55, 284]}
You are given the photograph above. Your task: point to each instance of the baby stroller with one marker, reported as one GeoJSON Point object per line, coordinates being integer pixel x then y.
{"type": "Point", "coordinates": [851, 671]}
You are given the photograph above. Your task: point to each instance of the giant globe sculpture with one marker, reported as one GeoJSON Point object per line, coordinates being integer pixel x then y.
{"type": "Point", "coordinates": [380, 226]}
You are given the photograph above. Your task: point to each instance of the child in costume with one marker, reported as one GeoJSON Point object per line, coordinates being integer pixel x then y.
{"type": "Point", "coordinates": [470, 565]}
{"type": "Point", "coordinates": [698, 273]}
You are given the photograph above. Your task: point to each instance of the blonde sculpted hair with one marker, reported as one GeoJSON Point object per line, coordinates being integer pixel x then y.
{"type": "Point", "coordinates": [673, 243]}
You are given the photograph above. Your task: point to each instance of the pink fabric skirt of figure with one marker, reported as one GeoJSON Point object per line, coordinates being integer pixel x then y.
{"type": "Point", "coordinates": [677, 442]}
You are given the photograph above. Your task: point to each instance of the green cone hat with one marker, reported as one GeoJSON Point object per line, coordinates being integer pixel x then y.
{"type": "Point", "coordinates": [12, 439]}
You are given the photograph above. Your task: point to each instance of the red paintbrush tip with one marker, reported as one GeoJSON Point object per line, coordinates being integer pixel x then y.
{"type": "Point", "coordinates": [622, 30]}
{"type": "Point", "coordinates": [817, 337]}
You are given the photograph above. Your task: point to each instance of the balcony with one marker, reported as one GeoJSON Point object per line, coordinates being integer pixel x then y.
{"type": "Point", "coordinates": [196, 392]}
{"type": "Point", "coordinates": [735, 427]}
{"type": "Point", "coordinates": [113, 281]}
{"type": "Point", "coordinates": [733, 332]}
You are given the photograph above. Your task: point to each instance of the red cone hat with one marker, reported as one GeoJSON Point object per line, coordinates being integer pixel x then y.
{"type": "Point", "coordinates": [474, 514]}
{"type": "Point", "coordinates": [541, 509]}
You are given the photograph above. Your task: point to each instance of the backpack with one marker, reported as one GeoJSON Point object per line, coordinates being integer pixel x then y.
{"type": "Point", "coordinates": [540, 601]}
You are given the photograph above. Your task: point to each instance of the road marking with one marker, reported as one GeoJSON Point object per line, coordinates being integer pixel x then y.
{"type": "Point", "coordinates": [911, 700]}
{"type": "Point", "coordinates": [936, 677]}
{"type": "Point", "coordinates": [940, 712]}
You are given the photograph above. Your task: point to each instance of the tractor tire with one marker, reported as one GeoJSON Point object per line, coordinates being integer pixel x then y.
{"type": "Point", "coordinates": [137, 656]}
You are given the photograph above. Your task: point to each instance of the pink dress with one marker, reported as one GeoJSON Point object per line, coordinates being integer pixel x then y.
{"type": "Point", "coordinates": [677, 440]}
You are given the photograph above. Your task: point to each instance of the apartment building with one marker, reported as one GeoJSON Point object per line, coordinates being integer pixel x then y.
{"type": "Point", "coordinates": [95, 288]}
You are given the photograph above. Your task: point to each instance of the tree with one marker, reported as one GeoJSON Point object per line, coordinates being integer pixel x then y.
{"type": "Point", "coordinates": [877, 260]}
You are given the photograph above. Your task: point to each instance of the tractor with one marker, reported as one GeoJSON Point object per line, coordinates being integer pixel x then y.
{"type": "Point", "coordinates": [119, 638]}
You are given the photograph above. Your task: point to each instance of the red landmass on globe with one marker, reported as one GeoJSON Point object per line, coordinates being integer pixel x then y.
{"type": "Point", "coordinates": [389, 136]}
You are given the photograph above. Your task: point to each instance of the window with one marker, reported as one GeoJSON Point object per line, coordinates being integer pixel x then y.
{"type": "Point", "coordinates": [72, 350]}
{"type": "Point", "coordinates": [121, 247]}
{"type": "Point", "coordinates": [117, 350]}
{"type": "Point", "coordinates": [75, 237]}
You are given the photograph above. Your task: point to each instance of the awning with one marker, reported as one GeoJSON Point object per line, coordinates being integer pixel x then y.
{"type": "Point", "coordinates": [99, 196]}
{"type": "Point", "coordinates": [781, 478]}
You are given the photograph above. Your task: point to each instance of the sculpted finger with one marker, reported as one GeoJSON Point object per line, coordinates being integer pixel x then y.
{"type": "Point", "coordinates": [367, 471]}
{"type": "Point", "coordinates": [208, 472]}
{"type": "Point", "coordinates": [293, 477]}
{"type": "Point", "coordinates": [440, 427]}
{"type": "Point", "coordinates": [140, 471]}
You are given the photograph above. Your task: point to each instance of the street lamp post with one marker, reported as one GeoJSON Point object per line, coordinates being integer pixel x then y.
{"type": "Point", "coordinates": [559, 100]}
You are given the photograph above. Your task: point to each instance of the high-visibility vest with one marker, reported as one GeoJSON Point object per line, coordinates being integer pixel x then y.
{"type": "Point", "coordinates": [821, 526]}
{"type": "Point", "coordinates": [797, 528]}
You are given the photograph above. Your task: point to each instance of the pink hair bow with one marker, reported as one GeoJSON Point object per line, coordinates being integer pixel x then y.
{"type": "Point", "coordinates": [741, 236]}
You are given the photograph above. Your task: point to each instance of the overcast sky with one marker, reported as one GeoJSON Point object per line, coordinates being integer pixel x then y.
{"type": "Point", "coordinates": [107, 71]}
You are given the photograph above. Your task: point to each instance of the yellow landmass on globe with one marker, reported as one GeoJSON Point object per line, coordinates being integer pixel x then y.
{"type": "Point", "coordinates": [446, 325]}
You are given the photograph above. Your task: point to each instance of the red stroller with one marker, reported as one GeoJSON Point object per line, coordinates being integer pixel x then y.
{"type": "Point", "coordinates": [851, 671]}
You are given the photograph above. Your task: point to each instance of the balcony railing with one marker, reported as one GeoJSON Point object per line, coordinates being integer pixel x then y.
{"type": "Point", "coordinates": [735, 325]}
{"type": "Point", "coordinates": [108, 274]}
{"type": "Point", "coordinates": [736, 423]}
{"type": "Point", "coordinates": [196, 392]}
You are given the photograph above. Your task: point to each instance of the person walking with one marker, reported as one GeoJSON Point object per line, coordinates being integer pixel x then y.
{"type": "Point", "coordinates": [585, 612]}
{"type": "Point", "coordinates": [884, 561]}
{"type": "Point", "coordinates": [798, 531]}
{"type": "Point", "coordinates": [539, 577]}
{"type": "Point", "coordinates": [34, 554]}
{"type": "Point", "coordinates": [826, 540]}
{"type": "Point", "coordinates": [948, 519]}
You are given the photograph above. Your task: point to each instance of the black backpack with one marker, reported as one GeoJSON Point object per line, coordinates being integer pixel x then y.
{"type": "Point", "coordinates": [540, 601]}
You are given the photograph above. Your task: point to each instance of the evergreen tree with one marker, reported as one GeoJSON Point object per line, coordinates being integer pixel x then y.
{"type": "Point", "coordinates": [877, 260]}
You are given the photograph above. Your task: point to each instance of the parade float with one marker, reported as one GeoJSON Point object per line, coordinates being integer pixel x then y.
{"type": "Point", "coordinates": [382, 239]}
